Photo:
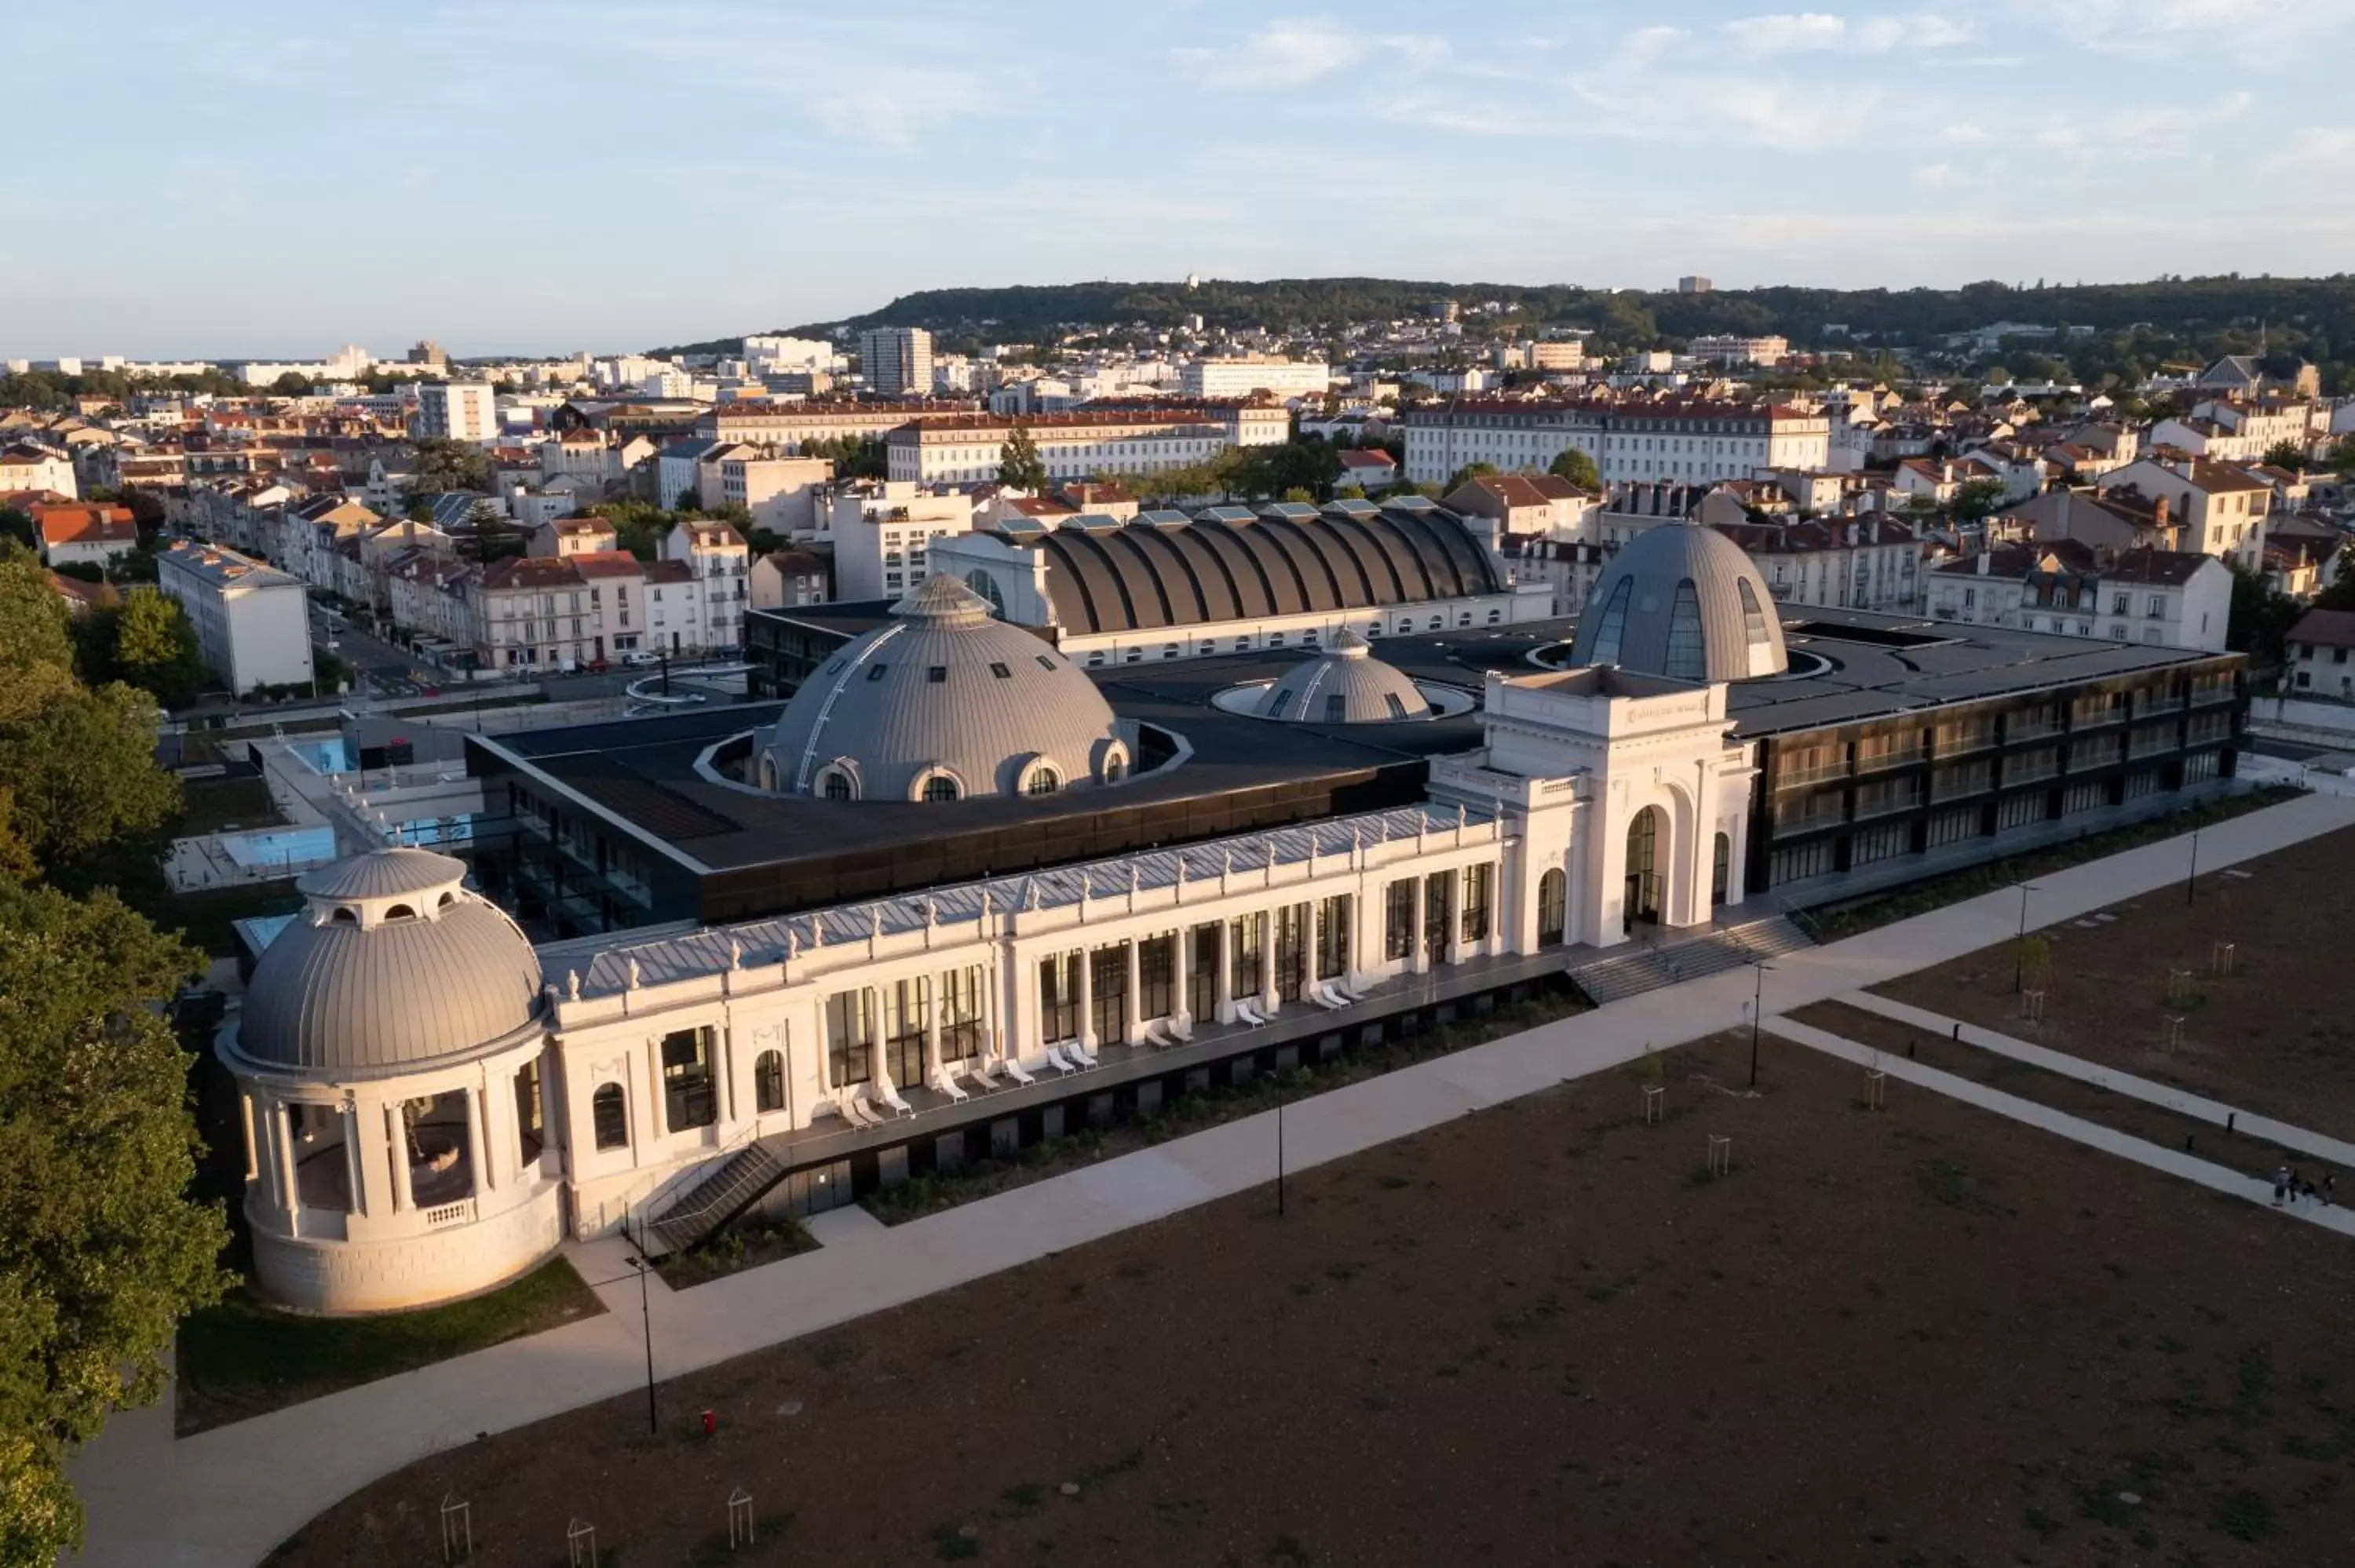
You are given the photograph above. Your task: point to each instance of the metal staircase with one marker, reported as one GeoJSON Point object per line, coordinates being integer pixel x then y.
{"type": "Point", "coordinates": [719, 1198]}
{"type": "Point", "coordinates": [1617, 974]}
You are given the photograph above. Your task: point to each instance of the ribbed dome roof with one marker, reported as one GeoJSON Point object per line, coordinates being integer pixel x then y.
{"type": "Point", "coordinates": [394, 964]}
{"type": "Point", "coordinates": [944, 691]}
{"type": "Point", "coordinates": [1345, 684]}
{"type": "Point", "coordinates": [1685, 601]}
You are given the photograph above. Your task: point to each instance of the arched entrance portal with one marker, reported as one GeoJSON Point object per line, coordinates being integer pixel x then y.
{"type": "Point", "coordinates": [1554, 907]}
{"type": "Point", "coordinates": [1643, 890]}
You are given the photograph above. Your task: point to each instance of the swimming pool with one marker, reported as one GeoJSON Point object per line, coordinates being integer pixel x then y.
{"type": "Point", "coordinates": [330, 755]}
{"type": "Point", "coordinates": [287, 847]}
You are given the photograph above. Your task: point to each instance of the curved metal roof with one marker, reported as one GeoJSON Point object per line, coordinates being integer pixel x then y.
{"type": "Point", "coordinates": [1684, 601]}
{"type": "Point", "coordinates": [943, 687]}
{"type": "Point", "coordinates": [1227, 564]}
{"type": "Point", "coordinates": [1347, 684]}
{"type": "Point", "coordinates": [339, 999]}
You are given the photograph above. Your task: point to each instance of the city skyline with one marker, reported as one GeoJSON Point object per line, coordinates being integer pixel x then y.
{"type": "Point", "coordinates": [292, 181]}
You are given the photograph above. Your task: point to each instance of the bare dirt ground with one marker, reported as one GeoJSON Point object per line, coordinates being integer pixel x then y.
{"type": "Point", "coordinates": [1922, 1336]}
{"type": "Point", "coordinates": [2277, 1036]}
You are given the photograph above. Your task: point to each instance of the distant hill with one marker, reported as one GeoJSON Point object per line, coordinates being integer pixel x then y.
{"type": "Point", "coordinates": [2315, 316]}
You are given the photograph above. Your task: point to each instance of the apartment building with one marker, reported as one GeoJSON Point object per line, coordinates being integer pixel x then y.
{"type": "Point", "coordinates": [779, 491]}
{"type": "Point", "coordinates": [83, 532]}
{"type": "Point", "coordinates": [252, 622]}
{"type": "Point", "coordinates": [785, 426]}
{"type": "Point", "coordinates": [789, 580]}
{"type": "Point", "coordinates": [698, 593]}
{"type": "Point", "coordinates": [457, 412]}
{"type": "Point", "coordinates": [1255, 374]}
{"type": "Point", "coordinates": [2219, 509]}
{"type": "Point", "coordinates": [896, 361]}
{"type": "Point", "coordinates": [882, 533]}
{"type": "Point", "coordinates": [1852, 562]}
{"type": "Point", "coordinates": [2318, 664]}
{"type": "Point", "coordinates": [1692, 440]}
{"type": "Point", "coordinates": [1147, 439]}
{"type": "Point", "coordinates": [1732, 349]}
{"type": "Point", "coordinates": [26, 466]}
{"type": "Point", "coordinates": [2172, 599]}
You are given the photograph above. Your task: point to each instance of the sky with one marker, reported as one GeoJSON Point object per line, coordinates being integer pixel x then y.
{"type": "Point", "coordinates": [278, 177]}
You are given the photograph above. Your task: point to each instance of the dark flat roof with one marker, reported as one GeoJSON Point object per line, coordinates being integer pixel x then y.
{"type": "Point", "coordinates": [643, 770]}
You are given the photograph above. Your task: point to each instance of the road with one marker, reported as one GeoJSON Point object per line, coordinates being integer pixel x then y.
{"type": "Point", "coordinates": [386, 670]}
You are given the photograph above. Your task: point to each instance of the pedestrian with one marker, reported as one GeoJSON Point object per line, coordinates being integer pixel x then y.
{"type": "Point", "coordinates": [2281, 1185]}
{"type": "Point", "coordinates": [2296, 1185]}
{"type": "Point", "coordinates": [2329, 1186]}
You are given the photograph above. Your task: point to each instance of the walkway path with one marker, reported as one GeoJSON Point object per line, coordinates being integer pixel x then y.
{"type": "Point", "coordinates": [223, 1499]}
{"type": "Point", "coordinates": [2172, 1096]}
{"type": "Point", "coordinates": [2076, 1128]}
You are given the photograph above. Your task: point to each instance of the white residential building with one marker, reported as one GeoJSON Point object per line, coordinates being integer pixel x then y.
{"type": "Point", "coordinates": [778, 492]}
{"type": "Point", "coordinates": [2174, 598]}
{"type": "Point", "coordinates": [2219, 509]}
{"type": "Point", "coordinates": [1085, 444]}
{"type": "Point", "coordinates": [26, 466]}
{"type": "Point", "coordinates": [882, 532]}
{"type": "Point", "coordinates": [458, 411]}
{"type": "Point", "coordinates": [1255, 374]}
{"type": "Point", "coordinates": [1684, 442]}
{"type": "Point", "coordinates": [252, 622]}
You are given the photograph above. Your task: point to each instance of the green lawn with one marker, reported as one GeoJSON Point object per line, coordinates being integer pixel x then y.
{"type": "Point", "coordinates": [1834, 921]}
{"type": "Point", "coordinates": [242, 1359]}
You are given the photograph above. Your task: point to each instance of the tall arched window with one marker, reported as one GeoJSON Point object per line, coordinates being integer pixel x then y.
{"type": "Point", "coordinates": [1553, 906]}
{"type": "Point", "coordinates": [609, 1113]}
{"type": "Point", "coordinates": [835, 784]}
{"type": "Point", "coordinates": [769, 1081]}
{"type": "Point", "coordinates": [1720, 868]}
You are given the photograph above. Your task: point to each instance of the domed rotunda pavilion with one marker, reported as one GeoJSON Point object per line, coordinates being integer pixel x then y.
{"type": "Point", "coordinates": [1684, 601]}
{"type": "Point", "coordinates": [388, 1061]}
{"type": "Point", "coordinates": [945, 704]}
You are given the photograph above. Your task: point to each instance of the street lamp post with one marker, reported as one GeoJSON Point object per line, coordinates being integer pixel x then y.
{"type": "Point", "coordinates": [646, 1320]}
{"type": "Point", "coordinates": [1757, 1006]}
{"type": "Point", "coordinates": [2019, 941]}
{"type": "Point", "coordinates": [2191, 880]}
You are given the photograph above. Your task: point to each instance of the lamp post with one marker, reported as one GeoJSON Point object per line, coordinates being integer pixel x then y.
{"type": "Point", "coordinates": [646, 1320]}
{"type": "Point", "coordinates": [1279, 1160]}
{"type": "Point", "coordinates": [2019, 941]}
{"type": "Point", "coordinates": [2192, 879]}
{"type": "Point", "coordinates": [1757, 1006]}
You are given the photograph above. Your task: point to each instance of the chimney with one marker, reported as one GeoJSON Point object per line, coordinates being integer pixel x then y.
{"type": "Point", "coordinates": [1986, 559]}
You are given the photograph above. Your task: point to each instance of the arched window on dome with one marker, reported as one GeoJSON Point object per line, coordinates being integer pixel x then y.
{"type": "Point", "coordinates": [940, 787]}
{"type": "Point", "coordinates": [769, 1082]}
{"type": "Point", "coordinates": [1042, 781]}
{"type": "Point", "coordinates": [400, 912]}
{"type": "Point", "coordinates": [768, 773]}
{"type": "Point", "coordinates": [1754, 615]}
{"type": "Point", "coordinates": [345, 916]}
{"type": "Point", "coordinates": [1114, 771]}
{"type": "Point", "coordinates": [1275, 710]}
{"type": "Point", "coordinates": [1612, 626]}
{"type": "Point", "coordinates": [446, 900]}
{"type": "Point", "coordinates": [834, 784]}
{"type": "Point", "coordinates": [608, 1114]}
{"type": "Point", "coordinates": [1687, 655]}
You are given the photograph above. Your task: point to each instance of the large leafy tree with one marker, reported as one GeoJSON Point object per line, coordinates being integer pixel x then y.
{"type": "Point", "coordinates": [2260, 616]}
{"type": "Point", "coordinates": [1578, 468]}
{"type": "Point", "coordinates": [147, 642]}
{"type": "Point", "coordinates": [102, 1253]}
{"type": "Point", "coordinates": [1978, 498]}
{"type": "Point", "coordinates": [444, 465]}
{"type": "Point", "coordinates": [1019, 464]}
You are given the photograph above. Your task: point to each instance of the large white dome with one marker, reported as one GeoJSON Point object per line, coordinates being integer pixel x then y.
{"type": "Point", "coordinates": [1684, 601]}
{"type": "Point", "coordinates": [943, 704]}
{"type": "Point", "coordinates": [393, 963]}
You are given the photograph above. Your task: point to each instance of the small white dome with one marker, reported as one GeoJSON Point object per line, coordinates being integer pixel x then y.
{"type": "Point", "coordinates": [1345, 684]}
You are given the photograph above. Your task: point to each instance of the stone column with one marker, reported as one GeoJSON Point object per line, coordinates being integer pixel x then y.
{"type": "Point", "coordinates": [282, 1129]}
{"type": "Point", "coordinates": [1268, 999]}
{"type": "Point", "coordinates": [478, 1160]}
{"type": "Point", "coordinates": [1181, 947]}
{"type": "Point", "coordinates": [396, 1127]}
{"type": "Point", "coordinates": [932, 1030]}
{"type": "Point", "coordinates": [355, 1165]}
{"type": "Point", "coordinates": [1087, 1001]}
{"type": "Point", "coordinates": [1417, 960]}
{"type": "Point", "coordinates": [1310, 930]}
{"type": "Point", "coordinates": [1223, 980]}
{"type": "Point", "coordinates": [1133, 1012]}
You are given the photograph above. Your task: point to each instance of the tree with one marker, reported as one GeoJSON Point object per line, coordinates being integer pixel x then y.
{"type": "Point", "coordinates": [103, 1253]}
{"type": "Point", "coordinates": [1466, 475]}
{"type": "Point", "coordinates": [2260, 616]}
{"type": "Point", "coordinates": [292, 384]}
{"type": "Point", "coordinates": [1977, 499]}
{"type": "Point", "coordinates": [2288, 455]}
{"type": "Point", "coordinates": [17, 524]}
{"type": "Point", "coordinates": [155, 648]}
{"type": "Point", "coordinates": [443, 464]}
{"type": "Point", "coordinates": [1577, 468]}
{"type": "Point", "coordinates": [76, 763]}
{"type": "Point", "coordinates": [2342, 457]}
{"type": "Point", "coordinates": [1020, 465]}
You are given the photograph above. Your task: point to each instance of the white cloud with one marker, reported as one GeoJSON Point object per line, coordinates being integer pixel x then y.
{"type": "Point", "coordinates": [1965, 135]}
{"type": "Point", "coordinates": [1935, 177]}
{"type": "Point", "coordinates": [2318, 148]}
{"type": "Point", "coordinates": [1295, 50]}
{"type": "Point", "coordinates": [1792, 31]}
{"type": "Point", "coordinates": [1645, 45]}
{"type": "Point", "coordinates": [1805, 30]}
{"type": "Point", "coordinates": [895, 107]}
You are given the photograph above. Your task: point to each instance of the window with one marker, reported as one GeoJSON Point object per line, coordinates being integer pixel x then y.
{"type": "Point", "coordinates": [1248, 931]}
{"type": "Point", "coordinates": [1042, 781]}
{"type": "Point", "coordinates": [960, 1003]}
{"type": "Point", "coordinates": [769, 1081]}
{"type": "Point", "coordinates": [1477, 881]}
{"type": "Point", "coordinates": [1045, 663]}
{"type": "Point", "coordinates": [1337, 707]}
{"type": "Point", "coordinates": [1059, 997]}
{"type": "Point", "coordinates": [1554, 907]}
{"type": "Point", "coordinates": [906, 1014]}
{"type": "Point", "coordinates": [608, 1114]}
{"type": "Point", "coordinates": [940, 787]}
{"type": "Point", "coordinates": [688, 1099]}
{"type": "Point", "coordinates": [1113, 770]}
{"type": "Point", "coordinates": [851, 1037]}
{"type": "Point", "coordinates": [1612, 624]}
{"type": "Point", "coordinates": [1108, 991]}
{"type": "Point", "coordinates": [1720, 868]}
{"type": "Point", "coordinates": [1157, 977]}
{"type": "Point", "coordinates": [835, 784]}
{"type": "Point", "coordinates": [1398, 919]}
{"type": "Point", "coordinates": [876, 672]}
{"type": "Point", "coordinates": [528, 1134]}
{"type": "Point", "coordinates": [1397, 708]}
{"type": "Point", "coordinates": [1001, 671]}
{"type": "Point", "coordinates": [937, 675]}
{"type": "Point", "coordinates": [1884, 843]}
{"type": "Point", "coordinates": [1275, 710]}
{"type": "Point", "coordinates": [1333, 937]}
